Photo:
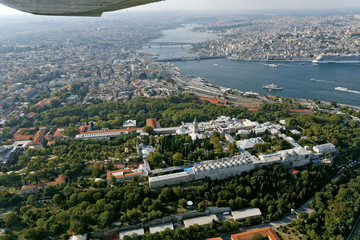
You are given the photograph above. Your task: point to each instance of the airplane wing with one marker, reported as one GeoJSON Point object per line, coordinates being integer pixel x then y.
{"type": "Point", "coordinates": [93, 8]}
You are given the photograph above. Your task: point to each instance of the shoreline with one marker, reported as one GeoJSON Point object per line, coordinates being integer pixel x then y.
{"type": "Point", "coordinates": [287, 61]}
{"type": "Point", "coordinates": [299, 61]}
{"type": "Point", "coordinates": [259, 98]}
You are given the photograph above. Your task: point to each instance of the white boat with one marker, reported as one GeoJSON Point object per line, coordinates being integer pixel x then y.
{"type": "Point", "coordinates": [344, 59]}
{"type": "Point", "coordinates": [272, 65]}
{"type": "Point", "coordinates": [272, 86]}
{"type": "Point", "coordinates": [341, 89]}
{"type": "Point", "coordinates": [216, 65]}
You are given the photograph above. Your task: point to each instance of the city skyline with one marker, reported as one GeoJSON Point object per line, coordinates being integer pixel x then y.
{"type": "Point", "coordinates": [228, 5]}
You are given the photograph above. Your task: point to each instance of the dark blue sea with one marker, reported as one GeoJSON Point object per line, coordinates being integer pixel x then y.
{"type": "Point", "coordinates": [295, 77]}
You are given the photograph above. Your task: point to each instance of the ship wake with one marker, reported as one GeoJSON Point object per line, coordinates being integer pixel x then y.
{"type": "Point", "coordinates": [342, 89]}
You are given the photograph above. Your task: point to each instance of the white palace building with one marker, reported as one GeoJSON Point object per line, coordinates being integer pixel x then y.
{"type": "Point", "coordinates": [233, 166]}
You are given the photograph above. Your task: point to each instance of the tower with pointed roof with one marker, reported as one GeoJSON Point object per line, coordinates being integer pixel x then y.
{"type": "Point", "coordinates": [195, 128]}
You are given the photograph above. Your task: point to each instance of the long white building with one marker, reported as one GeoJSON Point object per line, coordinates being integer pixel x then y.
{"type": "Point", "coordinates": [325, 148]}
{"type": "Point", "coordinates": [224, 168]}
{"type": "Point", "coordinates": [295, 157]}
{"type": "Point", "coordinates": [105, 134]}
{"type": "Point", "coordinates": [222, 124]}
{"type": "Point", "coordinates": [233, 166]}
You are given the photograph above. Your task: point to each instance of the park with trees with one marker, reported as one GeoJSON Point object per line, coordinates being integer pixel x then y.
{"type": "Point", "coordinates": [82, 205]}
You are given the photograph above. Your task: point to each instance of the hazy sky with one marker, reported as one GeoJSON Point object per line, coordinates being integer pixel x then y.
{"type": "Point", "coordinates": [235, 4]}
{"type": "Point", "coordinates": [252, 4]}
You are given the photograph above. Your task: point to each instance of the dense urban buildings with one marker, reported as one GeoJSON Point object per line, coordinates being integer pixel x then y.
{"type": "Point", "coordinates": [101, 139]}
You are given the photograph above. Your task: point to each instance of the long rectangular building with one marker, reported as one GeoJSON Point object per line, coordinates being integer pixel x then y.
{"type": "Point", "coordinates": [233, 166]}
{"type": "Point", "coordinates": [105, 134]}
{"type": "Point", "coordinates": [245, 213]}
{"type": "Point", "coordinates": [214, 169]}
{"type": "Point", "coordinates": [200, 220]}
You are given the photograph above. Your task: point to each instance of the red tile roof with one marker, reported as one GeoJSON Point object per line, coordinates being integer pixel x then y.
{"type": "Point", "coordinates": [22, 130]}
{"type": "Point", "coordinates": [132, 174]}
{"type": "Point", "coordinates": [84, 128]}
{"type": "Point", "coordinates": [293, 171]}
{"type": "Point", "coordinates": [68, 87]}
{"type": "Point", "coordinates": [19, 135]}
{"type": "Point", "coordinates": [151, 122]}
{"type": "Point", "coordinates": [265, 232]}
{"type": "Point", "coordinates": [112, 238]}
{"type": "Point", "coordinates": [58, 180]}
{"type": "Point", "coordinates": [215, 101]}
{"type": "Point", "coordinates": [46, 101]}
{"type": "Point", "coordinates": [31, 115]}
{"type": "Point", "coordinates": [31, 186]}
{"type": "Point", "coordinates": [119, 174]}
{"type": "Point", "coordinates": [39, 136]}
{"type": "Point", "coordinates": [59, 134]}
{"type": "Point", "coordinates": [254, 109]}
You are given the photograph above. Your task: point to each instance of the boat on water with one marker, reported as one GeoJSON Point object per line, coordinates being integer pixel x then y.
{"type": "Point", "coordinates": [343, 89]}
{"type": "Point", "coordinates": [313, 79]}
{"type": "Point", "coordinates": [348, 59]}
{"type": "Point", "coordinates": [272, 86]}
{"type": "Point", "coordinates": [216, 65]}
{"type": "Point", "coordinates": [273, 65]}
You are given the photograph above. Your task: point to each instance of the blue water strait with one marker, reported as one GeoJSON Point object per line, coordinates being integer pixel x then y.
{"type": "Point", "coordinates": [299, 79]}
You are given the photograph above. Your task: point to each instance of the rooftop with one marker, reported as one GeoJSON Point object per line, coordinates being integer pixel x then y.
{"type": "Point", "coordinates": [161, 227]}
{"type": "Point", "coordinates": [245, 213]}
{"type": "Point", "coordinates": [249, 235]}
{"type": "Point", "coordinates": [168, 176]}
{"type": "Point", "coordinates": [200, 220]}
{"type": "Point", "coordinates": [138, 231]}
{"type": "Point", "coordinates": [242, 159]}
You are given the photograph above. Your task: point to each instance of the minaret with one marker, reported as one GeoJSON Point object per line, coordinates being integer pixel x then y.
{"type": "Point", "coordinates": [195, 126]}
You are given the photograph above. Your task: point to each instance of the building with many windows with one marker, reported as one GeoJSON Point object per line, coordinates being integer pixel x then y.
{"type": "Point", "coordinates": [233, 166]}
{"type": "Point", "coordinates": [325, 148]}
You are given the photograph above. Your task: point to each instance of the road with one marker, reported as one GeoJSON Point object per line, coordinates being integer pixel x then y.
{"type": "Point", "coordinates": [355, 233]}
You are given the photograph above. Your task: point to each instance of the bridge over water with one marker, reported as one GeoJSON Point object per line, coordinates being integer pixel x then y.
{"type": "Point", "coordinates": [191, 58]}
{"type": "Point", "coordinates": [149, 44]}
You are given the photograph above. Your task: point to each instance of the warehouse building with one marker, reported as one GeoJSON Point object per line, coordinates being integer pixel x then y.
{"type": "Point", "coordinates": [139, 231]}
{"type": "Point", "coordinates": [161, 227]}
{"type": "Point", "coordinates": [245, 213]}
{"type": "Point", "coordinates": [200, 220]}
